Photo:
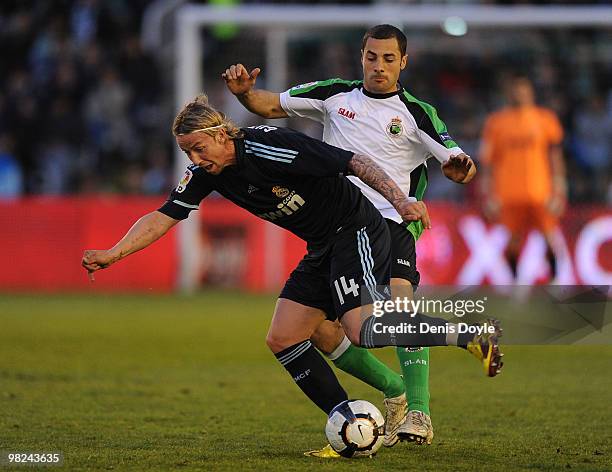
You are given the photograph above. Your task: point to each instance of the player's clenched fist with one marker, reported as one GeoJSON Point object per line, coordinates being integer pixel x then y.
{"type": "Point", "coordinates": [239, 80]}
{"type": "Point", "coordinates": [460, 169]}
{"type": "Point", "coordinates": [416, 211]}
{"type": "Point", "coordinates": [95, 259]}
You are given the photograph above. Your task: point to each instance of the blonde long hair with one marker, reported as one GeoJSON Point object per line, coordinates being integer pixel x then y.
{"type": "Point", "coordinates": [199, 115]}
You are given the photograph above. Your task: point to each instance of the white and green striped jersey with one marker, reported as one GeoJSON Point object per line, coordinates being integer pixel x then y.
{"type": "Point", "coordinates": [398, 131]}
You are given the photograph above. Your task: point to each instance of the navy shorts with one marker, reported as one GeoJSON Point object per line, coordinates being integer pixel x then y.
{"type": "Point", "coordinates": [403, 254]}
{"type": "Point", "coordinates": [346, 273]}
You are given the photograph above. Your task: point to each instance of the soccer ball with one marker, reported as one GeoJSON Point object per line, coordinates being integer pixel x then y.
{"type": "Point", "coordinates": [355, 428]}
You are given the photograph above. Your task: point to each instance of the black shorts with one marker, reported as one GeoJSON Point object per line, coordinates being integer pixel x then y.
{"type": "Point", "coordinates": [346, 274]}
{"type": "Point", "coordinates": [403, 254]}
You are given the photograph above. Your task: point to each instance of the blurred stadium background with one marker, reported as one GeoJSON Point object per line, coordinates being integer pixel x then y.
{"type": "Point", "coordinates": [88, 91]}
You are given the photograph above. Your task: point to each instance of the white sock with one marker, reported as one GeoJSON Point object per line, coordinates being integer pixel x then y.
{"type": "Point", "coordinates": [341, 349]}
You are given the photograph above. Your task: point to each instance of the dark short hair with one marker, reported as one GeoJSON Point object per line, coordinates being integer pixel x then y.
{"type": "Point", "coordinates": [520, 77]}
{"type": "Point", "coordinates": [385, 32]}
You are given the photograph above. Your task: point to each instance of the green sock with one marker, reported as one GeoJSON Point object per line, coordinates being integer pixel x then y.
{"type": "Point", "coordinates": [362, 364]}
{"type": "Point", "coordinates": [415, 368]}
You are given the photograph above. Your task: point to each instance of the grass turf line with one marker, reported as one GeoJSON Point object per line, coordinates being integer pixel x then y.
{"type": "Point", "coordinates": [165, 382]}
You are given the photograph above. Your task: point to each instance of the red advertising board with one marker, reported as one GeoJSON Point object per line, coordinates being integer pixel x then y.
{"type": "Point", "coordinates": [460, 249]}
{"type": "Point", "coordinates": [463, 249]}
{"type": "Point", "coordinates": [43, 240]}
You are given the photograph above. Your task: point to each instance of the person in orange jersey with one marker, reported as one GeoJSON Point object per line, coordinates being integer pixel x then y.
{"type": "Point", "coordinates": [524, 184]}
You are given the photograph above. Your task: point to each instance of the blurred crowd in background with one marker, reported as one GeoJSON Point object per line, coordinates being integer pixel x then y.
{"type": "Point", "coordinates": [84, 108]}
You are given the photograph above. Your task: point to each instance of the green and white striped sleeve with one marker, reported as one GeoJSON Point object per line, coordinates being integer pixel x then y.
{"type": "Point", "coordinates": [432, 130]}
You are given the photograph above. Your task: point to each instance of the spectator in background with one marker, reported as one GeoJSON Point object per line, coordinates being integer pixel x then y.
{"type": "Point", "coordinates": [84, 21]}
{"type": "Point", "coordinates": [23, 117]}
{"type": "Point", "coordinates": [69, 68]}
{"type": "Point", "coordinates": [155, 175]}
{"type": "Point", "coordinates": [67, 84]}
{"type": "Point", "coordinates": [11, 177]}
{"type": "Point", "coordinates": [141, 75]}
{"type": "Point", "coordinates": [44, 52]}
{"type": "Point", "coordinates": [107, 113]}
{"type": "Point", "coordinates": [523, 170]}
{"type": "Point", "coordinates": [56, 161]}
{"type": "Point", "coordinates": [61, 49]}
{"type": "Point", "coordinates": [593, 143]}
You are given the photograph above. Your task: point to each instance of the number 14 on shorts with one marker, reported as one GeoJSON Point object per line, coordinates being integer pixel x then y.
{"type": "Point", "coordinates": [347, 289]}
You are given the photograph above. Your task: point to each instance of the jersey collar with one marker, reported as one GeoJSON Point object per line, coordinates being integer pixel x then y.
{"type": "Point", "coordinates": [399, 90]}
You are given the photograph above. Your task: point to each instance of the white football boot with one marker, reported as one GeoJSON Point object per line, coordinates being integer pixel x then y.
{"type": "Point", "coordinates": [395, 415]}
{"type": "Point", "coordinates": [417, 428]}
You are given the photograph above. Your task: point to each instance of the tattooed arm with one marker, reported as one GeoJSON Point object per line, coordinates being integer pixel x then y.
{"type": "Point", "coordinates": [371, 174]}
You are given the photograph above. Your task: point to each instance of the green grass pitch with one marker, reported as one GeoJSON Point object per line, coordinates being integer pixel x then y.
{"type": "Point", "coordinates": [187, 383]}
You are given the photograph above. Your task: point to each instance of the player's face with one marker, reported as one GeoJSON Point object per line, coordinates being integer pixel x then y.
{"type": "Point", "coordinates": [211, 153]}
{"type": "Point", "coordinates": [382, 63]}
{"type": "Point", "coordinates": [521, 92]}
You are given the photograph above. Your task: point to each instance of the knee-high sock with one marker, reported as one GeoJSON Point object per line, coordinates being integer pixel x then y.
{"type": "Point", "coordinates": [415, 367]}
{"type": "Point", "coordinates": [313, 375]}
{"type": "Point", "coordinates": [362, 364]}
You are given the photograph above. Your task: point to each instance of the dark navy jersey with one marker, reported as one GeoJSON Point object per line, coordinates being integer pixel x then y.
{"type": "Point", "coordinates": [282, 176]}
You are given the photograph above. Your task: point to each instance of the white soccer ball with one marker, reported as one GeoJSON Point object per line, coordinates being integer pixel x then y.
{"type": "Point", "coordinates": [355, 428]}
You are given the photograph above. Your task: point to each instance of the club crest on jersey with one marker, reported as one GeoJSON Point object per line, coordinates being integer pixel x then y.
{"type": "Point", "coordinates": [280, 192]}
{"type": "Point", "coordinates": [395, 128]}
{"type": "Point", "coordinates": [184, 181]}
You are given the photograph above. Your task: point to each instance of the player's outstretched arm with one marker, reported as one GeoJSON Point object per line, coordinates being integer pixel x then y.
{"type": "Point", "coordinates": [261, 102]}
{"type": "Point", "coordinates": [460, 169]}
{"type": "Point", "coordinates": [145, 231]}
{"type": "Point", "coordinates": [371, 174]}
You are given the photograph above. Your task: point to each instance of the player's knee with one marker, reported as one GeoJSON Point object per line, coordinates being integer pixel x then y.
{"type": "Point", "coordinates": [273, 342]}
{"type": "Point", "coordinates": [354, 336]}
{"type": "Point", "coordinates": [353, 326]}
{"type": "Point", "coordinates": [328, 336]}
{"type": "Point", "coordinates": [277, 342]}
